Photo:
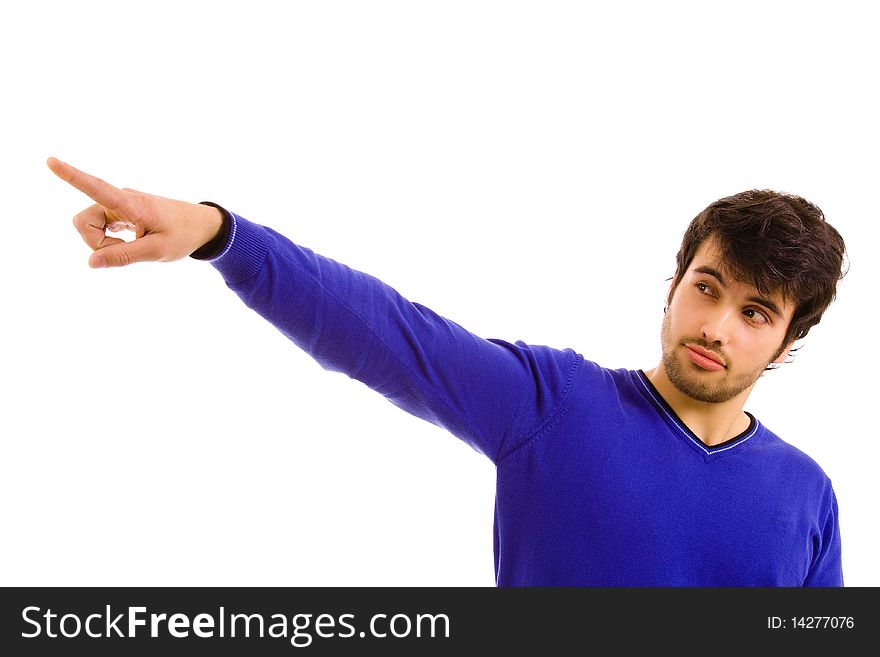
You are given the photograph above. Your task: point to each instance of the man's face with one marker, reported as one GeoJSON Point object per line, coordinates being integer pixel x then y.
{"type": "Point", "coordinates": [720, 334]}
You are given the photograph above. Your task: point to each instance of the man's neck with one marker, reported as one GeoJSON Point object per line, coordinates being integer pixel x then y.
{"type": "Point", "coordinates": [712, 423]}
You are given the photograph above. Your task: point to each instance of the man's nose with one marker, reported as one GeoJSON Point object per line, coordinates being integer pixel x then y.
{"type": "Point", "coordinates": [718, 325]}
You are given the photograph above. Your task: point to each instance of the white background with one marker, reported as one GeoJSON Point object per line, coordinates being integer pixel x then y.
{"type": "Point", "coordinates": [525, 169]}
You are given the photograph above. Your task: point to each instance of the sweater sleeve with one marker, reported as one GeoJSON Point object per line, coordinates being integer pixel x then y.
{"type": "Point", "coordinates": [826, 568]}
{"type": "Point", "coordinates": [490, 393]}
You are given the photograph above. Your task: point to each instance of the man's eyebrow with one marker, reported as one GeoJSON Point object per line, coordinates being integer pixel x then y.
{"type": "Point", "coordinates": [711, 271]}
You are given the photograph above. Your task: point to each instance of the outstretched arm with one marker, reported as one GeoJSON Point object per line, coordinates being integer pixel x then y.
{"type": "Point", "coordinates": [492, 394]}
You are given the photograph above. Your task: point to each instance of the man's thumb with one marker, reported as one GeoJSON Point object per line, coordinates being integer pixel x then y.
{"type": "Point", "coordinates": [122, 253]}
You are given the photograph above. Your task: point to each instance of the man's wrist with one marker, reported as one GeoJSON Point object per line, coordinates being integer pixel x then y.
{"type": "Point", "coordinates": [219, 234]}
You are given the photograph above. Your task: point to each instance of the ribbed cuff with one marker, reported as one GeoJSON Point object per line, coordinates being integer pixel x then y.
{"type": "Point", "coordinates": [244, 252]}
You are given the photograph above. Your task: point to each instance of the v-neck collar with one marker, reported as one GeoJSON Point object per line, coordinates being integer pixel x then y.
{"type": "Point", "coordinates": [653, 395]}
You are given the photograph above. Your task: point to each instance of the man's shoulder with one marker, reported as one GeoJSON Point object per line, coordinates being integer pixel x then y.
{"type": "Point", "coordinates": [783, 454]}
{"type": "Point", "coordinates": [542, 356]}
{"type": "Point", "coordinates": [570, 365]}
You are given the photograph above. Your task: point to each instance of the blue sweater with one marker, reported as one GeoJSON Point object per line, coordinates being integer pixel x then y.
{"type": "Point", "coordinates": [599, 483]}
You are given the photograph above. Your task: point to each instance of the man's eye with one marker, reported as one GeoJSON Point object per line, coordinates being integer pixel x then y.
{"type": "Point", "coordinates": [703, 288]}
{"type": "Point", "coordinates": [756, 315]}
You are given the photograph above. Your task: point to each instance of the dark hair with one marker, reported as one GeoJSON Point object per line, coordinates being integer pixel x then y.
{"type": "Point", "coordinates": [775, 242]}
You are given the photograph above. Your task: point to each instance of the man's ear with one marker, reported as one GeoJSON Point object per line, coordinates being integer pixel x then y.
{"type": "Point", "coordinates": [671, 288]}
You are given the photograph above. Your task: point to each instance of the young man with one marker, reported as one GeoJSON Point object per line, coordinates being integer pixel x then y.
{"type": "Point", "coordinates": [604, 477]}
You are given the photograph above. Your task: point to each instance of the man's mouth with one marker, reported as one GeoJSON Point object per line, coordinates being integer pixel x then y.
{"type": "Point", "coordinates": [706, 359]}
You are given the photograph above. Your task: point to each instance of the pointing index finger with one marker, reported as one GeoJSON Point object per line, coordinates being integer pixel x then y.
{"type": "Point", "coordinates": [101, 191]}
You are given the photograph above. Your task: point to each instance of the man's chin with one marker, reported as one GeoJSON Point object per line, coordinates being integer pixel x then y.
{"type": "Point", "coordinates": [699, 384]}
{"type": "Point", "coordinates": [699, 393]}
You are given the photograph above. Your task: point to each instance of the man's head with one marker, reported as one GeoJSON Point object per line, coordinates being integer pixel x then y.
{"type": "Point", "coordinates": [778, 243]}
{"type": "Point", "coordinates": [754, 273]}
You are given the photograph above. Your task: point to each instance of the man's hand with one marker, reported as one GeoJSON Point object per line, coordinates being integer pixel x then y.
{"type": "Point", "coordinates": [164, 229]}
